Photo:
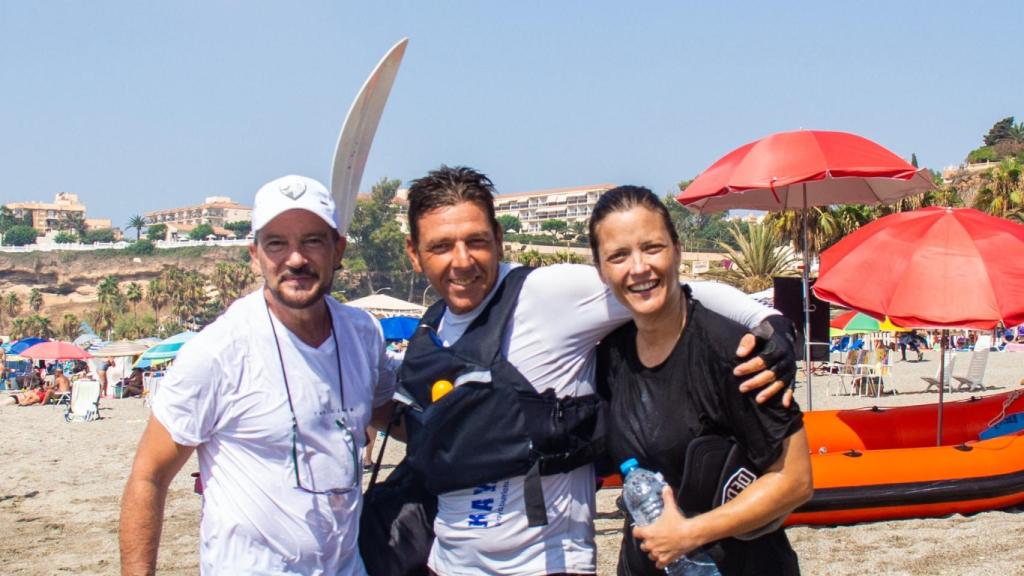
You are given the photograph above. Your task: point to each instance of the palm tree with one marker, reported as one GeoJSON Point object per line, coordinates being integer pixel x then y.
{"type": "Point", "coordinates": [41, 326]}
{"type": "Point", "coordinates": [137, 222]}
{"type": "Point", "coordinates": [825, 225]}
{"type": "Point", "coordinates": [110, 293]}
{"type": "Point", "coordinates": [789, 225]}
{"type": "Point", "coordinates": [1004, 196]}
{"type": "Point", "coordinates": [102, 319]}
{"type": "Point", "coordinates": [761, 256]}
{"type": "Point", "coordinates": [35, 300]}
{"type": "Point", "coordinates": [2, 311]}
{"type": "Point", "coordinates": [845, 218]}
{"type": "Point", "coordinates": [1016, 132]}
{"type": "Point", "coordinates": [12, 305]}
{"type": "Point", "coordinates": [75, 222]}
{"type": "Point", "coordinates": [69, 327]}
{"type": "Point", "coordinates": [194, 299]}
{"type": "Point", "coordinates": [231, 280]}
{"type": "Point", "coordinates": [156, 295]}
{"type": "Point", "coordinates": [579, 230]}
{"type": "Point", "coordinates": [18, 329]}
{"type": "Point", "coordinates": [134, 295]}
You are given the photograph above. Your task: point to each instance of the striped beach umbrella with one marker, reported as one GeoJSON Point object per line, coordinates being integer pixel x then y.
{"type": "Point", "coordinates": [166, 350]}
{"type": "Point", "coordinates": [854, 322]}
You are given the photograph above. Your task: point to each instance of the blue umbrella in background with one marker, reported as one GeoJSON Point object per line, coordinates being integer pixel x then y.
{"type": "Point", "coordinates": [19, 346]}
{"type": "Point", "coordinates": [166, 350]}
{"type": "Point", "coordinates": [399, 327]}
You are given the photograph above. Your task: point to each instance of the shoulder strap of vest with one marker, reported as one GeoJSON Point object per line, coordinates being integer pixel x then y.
{"type": "Point", "coordinates": [432, 317]}
{"type": "Point", "coordinates": [486, 330]}
{"type": "Point", "coordinates": [484, 336]}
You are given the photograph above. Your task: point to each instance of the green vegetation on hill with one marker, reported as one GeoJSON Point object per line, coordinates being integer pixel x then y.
{"type": "Point", "coordinates": [1004, 140]}
{"type": "Point", "coordinates": [20, 235]}
{"type": "Point", "coordinates": [176, 298]}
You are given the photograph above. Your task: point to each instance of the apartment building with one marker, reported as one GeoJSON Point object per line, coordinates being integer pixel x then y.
{"type": "Point", "coordinates": [215, 211]}
{"type": "Point", "coordinates": [51, 217]}
{"type": "Point", "coordinates": [568, 204]}
{"type": "Point", "coordinates": [532, 208]}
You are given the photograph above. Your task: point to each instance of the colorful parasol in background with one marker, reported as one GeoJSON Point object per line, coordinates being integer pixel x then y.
{"type": "Point", "coordinates": [854, 322]}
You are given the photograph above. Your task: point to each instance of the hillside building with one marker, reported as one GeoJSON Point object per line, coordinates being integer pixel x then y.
{"type": "Point", "coordinates": [51, 217]}
{"type": "Point", "coordinates": [532, 208]}
{"type": "Point", "coordinates": [215, 211]}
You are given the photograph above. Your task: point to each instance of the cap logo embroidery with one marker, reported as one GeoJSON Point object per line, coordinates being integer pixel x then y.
{"type": "Point", "coordinates": [292, 190]}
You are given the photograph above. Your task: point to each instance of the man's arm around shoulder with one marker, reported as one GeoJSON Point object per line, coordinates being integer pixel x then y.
{"type": "Point", "coordinates": [158, 460]}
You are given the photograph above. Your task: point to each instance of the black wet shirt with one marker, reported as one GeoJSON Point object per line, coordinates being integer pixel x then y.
{"type": "Point", "coordinates": [654, 413]}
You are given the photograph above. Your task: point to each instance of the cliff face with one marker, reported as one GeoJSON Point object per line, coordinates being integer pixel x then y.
{"type": "Point", "coordinates": [67, 279]}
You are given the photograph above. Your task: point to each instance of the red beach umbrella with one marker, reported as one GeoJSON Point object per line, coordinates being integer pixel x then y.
{"type": "Point", "coordinates": [930, 268]}
{"type": "Point", "coordinates": [55, 350]}
{"type": "Point", "coordinates": [795, 170]}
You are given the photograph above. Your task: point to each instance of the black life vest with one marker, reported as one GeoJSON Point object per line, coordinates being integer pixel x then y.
{"type": "Point", "coordinates": [494, 424]}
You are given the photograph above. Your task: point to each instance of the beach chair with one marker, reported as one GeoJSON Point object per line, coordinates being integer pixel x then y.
{"type": "Point", "coordinates": [875, 373]}
{"type": "Point", "coordinates": [934, 382]}
{"type": "Point", "coordinates": [975, 372]}
{"type": "Point", "coordinates": [61, 399]}
{"type": "Point", "coordinates": [150, 386]}
{"type": "Point", "coordinates": [842, 345]}
{"type": "Point", "coordinates": [849, 370]}
{"type": "Point", "coordinates": [85, 402]}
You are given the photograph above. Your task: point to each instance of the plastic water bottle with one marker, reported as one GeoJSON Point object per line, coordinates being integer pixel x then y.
{"type": "Point", "coordinates": [641, 492]}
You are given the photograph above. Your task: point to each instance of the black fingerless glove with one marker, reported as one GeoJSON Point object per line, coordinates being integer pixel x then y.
{"type": "Point", "coordinates": [776, 345]}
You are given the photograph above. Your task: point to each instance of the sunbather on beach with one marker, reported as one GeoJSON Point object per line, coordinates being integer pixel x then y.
{"type": "Point", "coordinates": [38, 395]}
{"type": "Point", "coordinates": [132, 385]}
{"type": "Point", "coordinates": [61, 384]}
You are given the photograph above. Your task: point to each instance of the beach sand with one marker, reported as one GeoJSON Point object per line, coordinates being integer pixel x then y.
{"type": "Point", "coordinates": [61, 484]}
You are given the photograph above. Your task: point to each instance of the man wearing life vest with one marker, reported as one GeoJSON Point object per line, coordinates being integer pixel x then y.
{"type": "Point", "coordinates": [509, 449]}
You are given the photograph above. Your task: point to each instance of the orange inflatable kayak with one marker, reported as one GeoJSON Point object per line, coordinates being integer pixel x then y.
{"type": "Point", "coordinates": [883, 463]}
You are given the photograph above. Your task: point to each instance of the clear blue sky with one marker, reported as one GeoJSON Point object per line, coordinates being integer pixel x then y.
{"type": "Point", "coordinates": [137, 106]}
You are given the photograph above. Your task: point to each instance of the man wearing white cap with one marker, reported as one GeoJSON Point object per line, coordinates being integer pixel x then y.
{"type": "Point", "coordinates": [275, 395]}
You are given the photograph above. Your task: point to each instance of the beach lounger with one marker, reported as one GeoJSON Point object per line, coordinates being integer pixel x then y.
{"type": "Point", "coordinates": [934, 382]}
{"type": "Point", "coordinates": [974, 380]}
{"type": "Point", "coordinates": [85, 402]}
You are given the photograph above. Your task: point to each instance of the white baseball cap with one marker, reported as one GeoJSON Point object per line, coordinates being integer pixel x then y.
{"type": "Point", "coordinates": [291, 192]}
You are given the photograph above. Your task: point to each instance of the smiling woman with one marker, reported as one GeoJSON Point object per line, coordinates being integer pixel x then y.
{"type": "Point", "coordinates": [668, 381]}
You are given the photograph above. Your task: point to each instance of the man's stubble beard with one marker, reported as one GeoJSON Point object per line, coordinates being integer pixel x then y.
{"type": "Point", "coordinates": [280, 297]}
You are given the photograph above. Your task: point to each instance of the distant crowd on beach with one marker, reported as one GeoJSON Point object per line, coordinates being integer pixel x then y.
{"type": "Point", "coordinates": [46, 382]}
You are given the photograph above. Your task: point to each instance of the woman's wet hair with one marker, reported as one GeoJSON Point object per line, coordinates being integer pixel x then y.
{"type": "Point", "coordinates": [622, 199]}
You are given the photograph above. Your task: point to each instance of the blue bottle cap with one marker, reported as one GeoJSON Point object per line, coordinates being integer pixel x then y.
{"type": "Point", "coordinates": [628, 466]}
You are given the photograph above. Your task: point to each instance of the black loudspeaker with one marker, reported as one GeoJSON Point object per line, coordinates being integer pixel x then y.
{"type": "Point", "coordinates": [789, 301]}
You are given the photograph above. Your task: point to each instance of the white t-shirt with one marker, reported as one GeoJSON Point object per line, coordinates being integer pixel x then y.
{"type": "Point", "coordinates": [226, 395]}
{"type": "Point", "coordinates": [562, 313]}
